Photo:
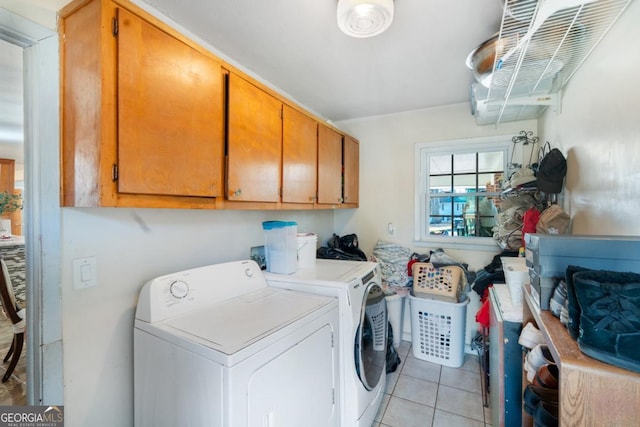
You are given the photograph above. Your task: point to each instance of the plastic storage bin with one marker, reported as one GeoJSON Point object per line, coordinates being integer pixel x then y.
{"type": "Point", "coordinates": [281, 248]}
{"type": "Point", "coordinates": [438, 330]}
{"type": "Point", "coordinates": [307, 247]}
{"type": "Point", "coordinates": [395, 312]}
{"type": "Point", "coordinates": [516, 274]}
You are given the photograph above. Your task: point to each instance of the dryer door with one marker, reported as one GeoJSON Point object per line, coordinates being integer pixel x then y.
{"type": "Point", "coordinates": [371, 338]}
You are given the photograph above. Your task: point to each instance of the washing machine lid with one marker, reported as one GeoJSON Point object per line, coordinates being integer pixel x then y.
{"type": "Point", "coordinates": [237, 323]}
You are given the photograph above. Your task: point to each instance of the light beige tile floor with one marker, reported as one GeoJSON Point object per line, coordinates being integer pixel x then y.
{"type": "Point", "coordinates": [425, 394]}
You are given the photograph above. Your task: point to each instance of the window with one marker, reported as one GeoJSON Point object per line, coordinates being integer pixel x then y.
{"type": "Point", "coordinates": [458, 186]}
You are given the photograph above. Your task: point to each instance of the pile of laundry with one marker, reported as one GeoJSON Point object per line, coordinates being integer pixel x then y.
{"type": "Point", "coordinates": [395, 263]}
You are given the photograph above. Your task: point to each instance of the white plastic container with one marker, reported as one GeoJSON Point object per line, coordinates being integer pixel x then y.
{"type": "Point", "coordinates": [516, 274]}
{"type": "Point", "coordinates": [307, 247]}
{"type": "Point", "coordinates": [395, 312]}
{"type": "Point", "coordinates": [280, 249]}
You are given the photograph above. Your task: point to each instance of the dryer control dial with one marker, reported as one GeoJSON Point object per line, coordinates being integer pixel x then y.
{"type": "Point", "coordinates": [179, 289]}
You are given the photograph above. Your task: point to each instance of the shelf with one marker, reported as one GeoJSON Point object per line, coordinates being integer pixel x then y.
{"type": "Point", "coordinates": [591, 392]}
{"type": "Point", "coordinates": [541, 44]}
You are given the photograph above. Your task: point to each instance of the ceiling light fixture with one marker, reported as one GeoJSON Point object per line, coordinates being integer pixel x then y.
{"type": "Point", "coordinates": [364, 18]}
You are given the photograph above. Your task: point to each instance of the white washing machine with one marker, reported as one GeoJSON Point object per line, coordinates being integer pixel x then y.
{"type": "Point", "coordinates": [363, 332]}
{"type": "Point", "coordinates": [215, 346]}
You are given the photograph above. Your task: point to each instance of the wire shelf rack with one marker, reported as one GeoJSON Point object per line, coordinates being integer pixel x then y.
{"type": "Point", "coordinates": [540, 46]}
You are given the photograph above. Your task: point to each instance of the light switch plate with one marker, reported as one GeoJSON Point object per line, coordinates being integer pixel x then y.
{"type": "Point", "coordinates": [85, 272]}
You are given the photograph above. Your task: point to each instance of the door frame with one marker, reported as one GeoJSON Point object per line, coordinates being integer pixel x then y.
{"type": "Point", "coordinates": [42, 213]}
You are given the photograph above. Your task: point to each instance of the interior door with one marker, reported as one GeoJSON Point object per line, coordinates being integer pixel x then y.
{"type": "Point", "coordinates": [170, 114]}
{"type": "Point", "coordinates": [299, 156]}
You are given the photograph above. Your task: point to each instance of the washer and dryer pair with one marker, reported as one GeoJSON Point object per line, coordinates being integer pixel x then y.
{"type": "Point", "coordinates": [228, 345]}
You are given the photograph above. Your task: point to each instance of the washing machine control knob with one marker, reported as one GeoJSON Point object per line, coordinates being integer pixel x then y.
{"type": "Point", "coordinates": [179, 289]}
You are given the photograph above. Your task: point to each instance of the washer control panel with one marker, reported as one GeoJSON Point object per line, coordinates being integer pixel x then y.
{"type": "Point", "coordinates": [178, 293]}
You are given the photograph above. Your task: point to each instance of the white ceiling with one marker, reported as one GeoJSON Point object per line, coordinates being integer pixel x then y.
{"type": "Point", "coordinates": [296, 47]}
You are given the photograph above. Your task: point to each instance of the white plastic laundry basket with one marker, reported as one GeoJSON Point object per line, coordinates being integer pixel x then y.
{"type": "Point", "coordinates": [438, 330]}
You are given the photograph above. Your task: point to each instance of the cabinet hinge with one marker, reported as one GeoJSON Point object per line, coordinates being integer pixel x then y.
{"type": "Point", "coordinates": [114, 26]}
{"type": "Point", "coordinates": [114, 172]}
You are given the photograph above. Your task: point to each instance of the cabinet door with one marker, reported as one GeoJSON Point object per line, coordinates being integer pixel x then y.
{"type": "Point", "coordinates": [351, 159]}
{"type": "Point", "coordinates": [299, 156]}
{"type": "Point", "coordinates": [329, 165]}
{"type": "Point", "coordinates": [170, 114]}
{"type": "Point", "coordinates": [254, 143]}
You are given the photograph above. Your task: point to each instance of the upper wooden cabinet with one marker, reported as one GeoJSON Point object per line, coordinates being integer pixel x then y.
{"type": "Point", "coordinates": [351, 162]}
{"type": "Point", "coordinates": [329, 166]}
{"type": "Point", "coordinates": [170, 114]}
{"type": "Point", "coordinates": [142, 112]}
{"type": "Point", "coordinates": [254, 148]}
{"type": "Point", "coordinates": [299, 157]}
{"type": "Point", "coordinates": [151, 119]}
{"type": "Point", "coordinates": [338, 168]}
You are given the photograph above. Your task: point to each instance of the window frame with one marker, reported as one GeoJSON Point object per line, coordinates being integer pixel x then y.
{"type": "Point", "coordinates": [423, 151]}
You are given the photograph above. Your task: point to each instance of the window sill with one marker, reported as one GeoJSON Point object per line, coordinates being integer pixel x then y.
{"type": "Point", "coordinates": [482, 244]}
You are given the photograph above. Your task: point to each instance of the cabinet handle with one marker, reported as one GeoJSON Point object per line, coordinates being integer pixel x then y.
{"type": "Point", "coordinates": [236, 193]}
{"type": "Point", "coordinates": [340, 200]}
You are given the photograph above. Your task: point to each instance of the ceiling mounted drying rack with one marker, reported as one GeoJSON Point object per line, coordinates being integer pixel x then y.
{"type": "Point", "coordinates": [540, 46]}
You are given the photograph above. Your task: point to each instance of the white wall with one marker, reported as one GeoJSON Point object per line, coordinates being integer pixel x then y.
{"type": "Point", "coordinates": [132, 247]}
{"type": "Point", "coordinates": [387, 146]}
{"type": "Point", "coordinates": [599, 132]}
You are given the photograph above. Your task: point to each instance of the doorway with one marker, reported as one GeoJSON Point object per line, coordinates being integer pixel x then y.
{"type": "Point", "coordinates": [13, 390]}
{"type": "Point", "coordinates": [42, 214]}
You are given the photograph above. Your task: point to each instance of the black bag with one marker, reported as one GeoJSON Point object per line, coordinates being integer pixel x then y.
{"type": "Point", "coordinates": [345, 247]}
{"type": "Point", "coordinates": [551, 172]}
{"type": "Point", "coordinates": [337, 253]}
{"type": "Point", "coordinates": [393, 360]}
{"type": "Point", "coordinates": [349, 242]}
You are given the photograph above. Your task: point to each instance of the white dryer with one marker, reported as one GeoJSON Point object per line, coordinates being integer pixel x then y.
{"type": "Point", "coordinates": [214, 346]}
{"type": "Point", "coordinates": [363, 331]}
